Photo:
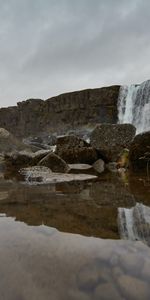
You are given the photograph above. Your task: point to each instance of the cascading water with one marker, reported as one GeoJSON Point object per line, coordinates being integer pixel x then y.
{"type": "Point", "coordinates": [134, 106]}
{"type": "Point", "coordinates": [134, 223]}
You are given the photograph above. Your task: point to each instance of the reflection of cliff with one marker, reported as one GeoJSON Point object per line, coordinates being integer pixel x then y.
{"type": "Point", "coordinates": [69, 110]}
{"type": "Point", "coordinates": [88, 209]}
{"type": "Point", "coordinates": [140, 188]}
{"type": "Point", "coordinates": [75, 213]}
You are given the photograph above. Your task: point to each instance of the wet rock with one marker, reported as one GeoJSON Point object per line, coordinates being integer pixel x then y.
{"type": "Point", "coordinates": [80, 168]}
{"type": "Point", "coordinates": [43, 175]}
{"type": "Point", "coordinates": [110, 139]}
{"type": "Point", "coordinates": [75, 150]}
{"type": "Point", "coordinates": [35, 174]}
{"type": "Point", "coordinates": [133, 288]}
{"type": "Point", "coordinates": [99, 166]}
{"type": "Point", "coordinates": [17, 160]}
{"type": "Point", "coordinates": [139, 155]}
{"type": "Point", "coordinates": [55, 163]}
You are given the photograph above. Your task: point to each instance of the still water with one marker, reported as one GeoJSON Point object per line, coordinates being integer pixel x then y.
{"type": "Point", "coordinates": [62, 241]}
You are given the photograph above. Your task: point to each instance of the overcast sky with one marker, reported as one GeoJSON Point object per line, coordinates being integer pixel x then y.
{"type": "Point", "coordinates": [48, 47]}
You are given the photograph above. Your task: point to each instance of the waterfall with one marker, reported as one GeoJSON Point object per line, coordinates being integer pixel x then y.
{"type": "Point", "coordinates": [134, 223]}
{"type": "Point", "coordinates": [134, 106]}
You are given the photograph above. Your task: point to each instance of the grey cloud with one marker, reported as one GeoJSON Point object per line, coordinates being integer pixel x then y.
{"type": "Point", "coordinates": [52, 46]}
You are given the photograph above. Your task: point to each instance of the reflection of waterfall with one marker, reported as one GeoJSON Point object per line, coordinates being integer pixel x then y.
{"type": "Point", "coordinates": [134, 223]}
{"type": "Point", "coordinates": [134, 106]}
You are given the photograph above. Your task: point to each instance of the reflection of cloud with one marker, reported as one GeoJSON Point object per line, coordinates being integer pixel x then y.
{"type": "Point", "coordinates": [55, 46]}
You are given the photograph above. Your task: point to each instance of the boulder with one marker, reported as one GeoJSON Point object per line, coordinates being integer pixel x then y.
{"type": "Point", "coordinates": [37, 156]}
{"type": "Point", "coordinates": [139, 154]}
{"type": "Point", "coordinates": [75, 150]}
{"type": "Point", "coordinates": [55, 163]}
{"type": "Point", "coordinates": [99, 166]}
{"type": "Point", "coordinates": [110, 139]}
{"type": "Point", "coordinates": [8, 142]}
{"type": "Point", "coordinates": [21, 159]}
{"type": "Point", "coordinates": [16, 160]}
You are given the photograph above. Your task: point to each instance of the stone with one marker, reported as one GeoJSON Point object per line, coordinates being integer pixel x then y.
{"type": "Point", "coordinates": [20, 159]}
{"type": "Point", "coordinates": [75, 150]}
{"type": "Point", "coordinates": [133, 288]}
{"type": "Point", "coordinates": [99, 166]}
{"type": "Point", "coordinates": [39, 155]}
{"type": "Point", "coordinates": [17, 160]}
{"type": "Point", "coordinates": [9, 143]}
{"type": "Point", "coordinates": [55, 163]}
{"type": "Point", "coordinates": [111, 139]}
{"type": "Point", "coordinates": [43, 175]}
{"type": "Point", "coordinates": [80, 168]}
{"type": "Point", "coordinates": [139, 154]}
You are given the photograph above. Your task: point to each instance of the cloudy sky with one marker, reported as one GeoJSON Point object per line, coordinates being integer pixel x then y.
{"type": "Point", "coordinates": [48, 47]}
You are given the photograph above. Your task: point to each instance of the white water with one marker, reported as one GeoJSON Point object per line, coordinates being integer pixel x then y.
{"type": "Point", "coordinates": [134, 223]}
{"type": "Point", "coordinates": [134, 106]}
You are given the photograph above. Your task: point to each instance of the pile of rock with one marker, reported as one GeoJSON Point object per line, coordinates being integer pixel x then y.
{"type": "Point", "coordinates": [109, 147]}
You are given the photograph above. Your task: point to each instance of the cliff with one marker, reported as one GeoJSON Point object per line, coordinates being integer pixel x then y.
{"type": "Point", "coordinates": [60, 113]}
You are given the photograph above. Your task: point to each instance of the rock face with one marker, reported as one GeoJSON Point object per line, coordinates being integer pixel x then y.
{"type": "Point", "coordinates": [55, 163]}
{"type": "Point", "coordinates": [139, 154]}
{"type": "Point", "coordinates": [61, 113]}
{"type": "Point", "coordinates": [75, 150]}
{"type": "Point", "coordinates": [110, 139]}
